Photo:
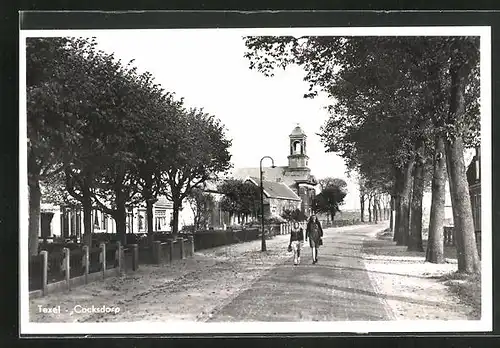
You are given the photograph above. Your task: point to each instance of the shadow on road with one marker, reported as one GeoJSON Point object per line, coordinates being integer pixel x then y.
{"type": "Point", "coordinates": [386, 247]}
{"type": "Point", "coordinates": [321, 287]}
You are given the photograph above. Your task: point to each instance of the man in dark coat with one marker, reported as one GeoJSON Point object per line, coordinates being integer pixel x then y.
{"type": "Point", "coordinates": [314, 232]}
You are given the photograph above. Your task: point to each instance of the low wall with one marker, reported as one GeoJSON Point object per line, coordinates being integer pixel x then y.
{"type": "Point", "coordinates": [59, 271]}
{"type": "Point", "coordinates": [63, 270]}
{"type": "Point", "coordinates": [168, 251]}
{"type": "Point", "coordinates": [214, 238]}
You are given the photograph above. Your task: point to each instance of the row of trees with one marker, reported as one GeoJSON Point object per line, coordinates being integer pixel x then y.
{"type": "Point", "coordinates": [377, 201]}
{"type": "Point", "coordinates": [113, 136]}
{"type": "Point", "coordinates": [241, 199]}
{"type": "Point", "coordinates": [404, 108]}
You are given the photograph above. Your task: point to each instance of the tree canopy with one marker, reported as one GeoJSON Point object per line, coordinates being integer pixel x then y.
{"type": "Point", "coordinates": [117, 136]}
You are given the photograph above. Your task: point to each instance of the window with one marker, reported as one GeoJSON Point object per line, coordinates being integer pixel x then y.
{"type": "Point", "coordinates": [142, 221]}
{"type": "Point", "coordinates": [96, 220]}
{"type": "Point", "coordinates": [160, 220]}
{"type": "Point", "coordinates": [297, 148]}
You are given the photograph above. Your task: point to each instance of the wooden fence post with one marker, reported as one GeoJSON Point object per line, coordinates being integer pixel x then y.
{"type": "Point", "coordinates": [118, 256]}
{"type": "Point", "coordinates": [135, 257]}
{"type": "Point", "coordinates": [172, 250]}
{"type": "Point", "coordinates": [86, 262]}
{"type": "Point", "coordinates": [45, 262]}
{"type": "Point", "coordinates": [191, 240]}
{"type": "Point", "coordinates": [181, 240]}
{"type": "Point", "coordinates": [67, 254]}
{"type": "Point", "coordinates": [102, 246]}
{"type": "Point", "coordinates": [156, 251]}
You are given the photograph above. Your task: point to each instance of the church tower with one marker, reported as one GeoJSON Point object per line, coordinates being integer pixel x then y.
{"type": "Point", "coordinates": [298, 156]}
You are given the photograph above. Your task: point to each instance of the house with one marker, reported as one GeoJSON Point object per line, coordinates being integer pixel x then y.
{"type": "Point", "coordinates": [278, 197]}
{"type": "Point", "coordinates": [67, 220]}
{"type": "Point", "coordinates": [474, 180]}
{"type": "Point", "coordinates": [296, 176]}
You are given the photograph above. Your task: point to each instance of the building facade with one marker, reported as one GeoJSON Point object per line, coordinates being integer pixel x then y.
{"type": "Point", "coordinates": [67, 222]}
{"type": "Point", "coordinates": [278, 197]}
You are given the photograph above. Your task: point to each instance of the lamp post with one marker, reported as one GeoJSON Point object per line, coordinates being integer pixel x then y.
{"type": "Point", "coordinates": [263, 247]}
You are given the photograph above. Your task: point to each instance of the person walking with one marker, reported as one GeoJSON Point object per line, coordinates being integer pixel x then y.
{"type": "Point", "coordinates": [314, 233]}
{"type": "Point", "coordinates": [296, 239]}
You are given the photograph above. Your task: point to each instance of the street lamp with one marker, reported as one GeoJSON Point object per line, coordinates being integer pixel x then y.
{"type": "Point", "coordinates": [263, 247]}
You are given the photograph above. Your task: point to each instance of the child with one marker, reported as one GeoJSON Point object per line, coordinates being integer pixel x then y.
{"type": "Point", "coordinates": [296, 238]}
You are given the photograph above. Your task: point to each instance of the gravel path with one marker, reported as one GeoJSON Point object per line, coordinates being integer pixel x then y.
{"type": "Point", "coordinates": [186, 290]}
{"type": "Point", "coordinates": [357, 278]}
{"type": "Point", "coordinates": [337, 288]}
{"type": "Point", "coordinates": [411, 287]}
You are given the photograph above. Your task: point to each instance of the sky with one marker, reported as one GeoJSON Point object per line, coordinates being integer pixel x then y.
{"type": "Point", "coordinates": [207, 68]}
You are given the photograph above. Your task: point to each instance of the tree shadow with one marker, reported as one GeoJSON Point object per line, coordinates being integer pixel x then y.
{"type": "Point", "coordinates": [358, 291]}
{"type": "Point", "coordinates": [356, 269]}
{"type": "Point", "coordinates": [380, 247]}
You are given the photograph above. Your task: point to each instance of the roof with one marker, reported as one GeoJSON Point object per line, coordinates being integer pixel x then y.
{"type": "Point", "coordinates": [211, 185]}
{"type": "Point", "coordinates": [277, 174]}
{"type": "Point", "coordinates": [276, 189]}
{"type": "Point", "coordinates": [297, 131]}
{"type": "Point", "coordinates": [163, 202]}
{"type": "Point", "coordinates": [270, 174]}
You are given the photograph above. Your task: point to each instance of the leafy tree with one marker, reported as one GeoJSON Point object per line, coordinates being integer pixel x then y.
{"type": "Point", "coordinates": [53, 190]}
{"type": "Point", "coordinates": [202, 204]}
{"type": "Point", "coordinates": [240, 198]}
{"type": "Point", "coordinates": [382, 84]}
{"type": "Point", "coordinates": [294, 215]}
{"type": "Point", "coordinates": [201, 152]}
{"type": "Point", "coordinates": [154, 147]}
{"type": "Point", "coordinates": [328, 182]}
{"type": "Point", "coordinates": [329, 200]}
{"type": "Point", "coordinates": [52, 69]}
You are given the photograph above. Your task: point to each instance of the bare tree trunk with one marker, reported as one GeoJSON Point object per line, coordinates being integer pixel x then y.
{"type": "Point", "coordinates": [415, 236]}
{"type": "Point", "coordinates": [375, 211]}
{"type": "Point", "coordinates": [404, 223]}
{"type": "Point", "coordinates": [120, 216]}
{"type": "Point", "coordinates": [380, 211]}
{"type": "Point", "coordinates": [87, 215]}
{"type": "Point", "coordinates": [370, 208]}
{"type": "Point", "coordinates": [398, 236]}
{"type": "Point", "coordinates": [435, 252]}
{"type": "Point", "coordinates": [397, 190]}
{"type": "Point", "coordinates": [467, 255]}
{"type": "Point", "coordinates": [34, 215]}
{"type": "Point", "coordinates": [362, 207]}
{"type": "Point", "coordinates": [391, 218]}
{"type": "Point", "coordinates": [175, 216]}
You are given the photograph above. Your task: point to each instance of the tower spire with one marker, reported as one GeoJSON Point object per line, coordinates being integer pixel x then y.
{"type": "Point", "coordinates": [298, 155]}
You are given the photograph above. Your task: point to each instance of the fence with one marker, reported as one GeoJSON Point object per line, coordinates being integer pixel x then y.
{"type": "Point", "coordinates": [449, 237]}
{"type": "Point", "coordinates": [62, 266]}
{"type": "Point", "coordinates": [213, 238]}
{"type": "Point", "coordinates": [340, 223]}
{"type": "Point", "coordinates": [64, 269]}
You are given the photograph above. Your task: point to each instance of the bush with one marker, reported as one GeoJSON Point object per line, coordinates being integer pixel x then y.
{"type": "Point", "coordinates": [188, 229]}
{"type": "Point", "coordinates": [294, 215]}
{"type": "Point", "coordinates": [274, 220]}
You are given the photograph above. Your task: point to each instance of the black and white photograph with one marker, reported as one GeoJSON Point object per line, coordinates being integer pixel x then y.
{"type": "Point", "coordinates": [255, 180]}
